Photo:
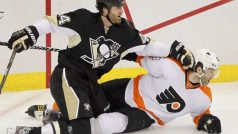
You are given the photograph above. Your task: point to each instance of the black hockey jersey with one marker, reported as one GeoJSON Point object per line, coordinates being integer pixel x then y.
{"type": "Point", "coordinates": [91, 51]}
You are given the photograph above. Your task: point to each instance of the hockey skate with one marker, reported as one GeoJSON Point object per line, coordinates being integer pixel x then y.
{"type": "Point", "coordinates": [42, 114]}
{"type": "Point", "coordinates": [19, 130]}
{"type": "Point", "coordinates": [35, 109]}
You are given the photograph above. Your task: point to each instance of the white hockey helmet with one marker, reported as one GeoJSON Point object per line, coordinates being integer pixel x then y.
{"type": "Point", "coordinates": [207, 59]}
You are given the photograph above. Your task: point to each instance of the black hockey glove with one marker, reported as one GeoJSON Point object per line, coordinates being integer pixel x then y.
{"type": "Point", "coordinates": [209, 123]}
{"type": "Point", "coordinates": [179, 52]}
{"type": "Point", "coordinates": [25, 38]}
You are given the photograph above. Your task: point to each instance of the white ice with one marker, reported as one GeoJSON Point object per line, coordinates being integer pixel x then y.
{"type": "Point", "coordinates": [225, 106]}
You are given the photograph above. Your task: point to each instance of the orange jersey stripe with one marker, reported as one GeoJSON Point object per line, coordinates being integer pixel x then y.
{"type": "Point", "coordinates": [207, 91]}
{"type": "Point", "coordinates": [197, 118]}
{"type": "Point", "coordinates": [140, 102]}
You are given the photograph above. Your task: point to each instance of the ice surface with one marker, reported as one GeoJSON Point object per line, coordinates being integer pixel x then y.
{"type": "Point", "coordinates": [225, 106]}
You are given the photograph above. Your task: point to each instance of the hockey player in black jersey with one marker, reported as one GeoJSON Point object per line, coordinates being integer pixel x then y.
{"type": "Point", "coordinates": [97, 41]}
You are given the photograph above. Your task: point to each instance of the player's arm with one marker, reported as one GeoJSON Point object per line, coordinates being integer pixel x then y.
{"type": "Point", "coordinates": [51, 24]}
{"type": "Point", "coordinates": [207, 122]}
{"type": "Point", "coordinates": [28, 36]}
{"type": "Point", "coordinates": [203, 119]}
{"type": "Point", "coordinates": [157, 49]}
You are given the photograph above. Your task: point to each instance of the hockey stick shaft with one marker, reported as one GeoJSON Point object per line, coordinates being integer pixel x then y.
{"type": "Point", "coordinates": [37, 47]}
{"type": "Point", "coordinates": [8, 68]}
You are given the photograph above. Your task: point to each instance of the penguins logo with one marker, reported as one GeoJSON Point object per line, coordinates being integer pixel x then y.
{"type": "Point", "coordinates": [174, 103]}
{"type": "Point", "coordinates": [102, 50]}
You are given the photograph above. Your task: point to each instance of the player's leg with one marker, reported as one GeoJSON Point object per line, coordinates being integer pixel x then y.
{"type": "Point", "coordinates": [126, 120]}
{"type": "Point", "coordinates": [137, 119]}
{"type": "Point", "coordinates": [106, 123]}
{"type": "Point", "coordinates": [71, 94]}
{"type": "Point", "coordinates": [81, 126]}
{"type": "Point", "coordinates": [98, 100]}
{"type": "Point", "coordinates": [115, 92]}
{"type": "Point", "coordinates": [74, 104]}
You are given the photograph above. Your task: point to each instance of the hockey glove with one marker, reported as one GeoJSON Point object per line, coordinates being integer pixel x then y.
{"type": "Point", "coordinates": [179, 52]}
{"type": "Point", "coordinates": [25, 38]}
{"type": "Point", "coordinates": [209, 123]}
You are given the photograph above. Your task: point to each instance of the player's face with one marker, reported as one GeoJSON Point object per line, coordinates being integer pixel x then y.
{"type": "Point", "coordinates": [115, 14]}
{"type": "Point", "coordinates": [209, 75]}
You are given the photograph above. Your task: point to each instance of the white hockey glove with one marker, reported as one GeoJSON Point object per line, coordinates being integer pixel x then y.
{"type": "Point", "coordinates": [25, 38]}
{"type": "Point", "coordinates": [179, 52]}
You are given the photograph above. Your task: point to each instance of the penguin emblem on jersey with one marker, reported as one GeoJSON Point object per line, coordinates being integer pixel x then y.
{"type": "Point", "coordinates": [174, 103]}
{"type": "Point", "coordinates": [102, 50]}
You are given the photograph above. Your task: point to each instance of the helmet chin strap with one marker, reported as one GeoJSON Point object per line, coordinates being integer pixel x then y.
{"type": "Point", "coordinates": [200, 78]}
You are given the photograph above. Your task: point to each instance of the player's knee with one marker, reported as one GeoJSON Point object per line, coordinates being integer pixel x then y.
{"type": "Point", "coordinates": [112, 122]}
{"type": "Point", "coordinates": [137, 119]}
{"type": "Point", "coordinates": [81, 126]}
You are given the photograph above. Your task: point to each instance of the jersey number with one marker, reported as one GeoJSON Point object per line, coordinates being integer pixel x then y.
{"type": "Point", "coordinates": [63, 19]}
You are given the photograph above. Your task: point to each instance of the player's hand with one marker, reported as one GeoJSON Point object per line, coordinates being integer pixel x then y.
{"type": "Point", "coordinates": [25, 38]}
{"type": "Point", "coordinates": [209, 123]}
{"type": "Point", "coordinates": [180, 52]}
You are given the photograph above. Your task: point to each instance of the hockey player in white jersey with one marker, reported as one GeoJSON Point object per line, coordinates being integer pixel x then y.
{"type": "Point", "coordinates": [165, 93]}
{"type": "Point", "coordinates": [169, 91]}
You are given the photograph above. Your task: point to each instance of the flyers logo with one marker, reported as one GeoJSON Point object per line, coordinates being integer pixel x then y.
{"type": "Point", "coordinates": [174, 103]}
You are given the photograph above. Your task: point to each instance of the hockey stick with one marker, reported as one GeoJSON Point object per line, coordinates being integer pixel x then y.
{"type": "Point", "coordinates": [8, 67]}
{"type": "Point", "coordinates": [36, 47]}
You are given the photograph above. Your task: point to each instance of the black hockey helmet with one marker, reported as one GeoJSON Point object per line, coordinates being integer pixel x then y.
{"type": "Point", "coordinates": [108, 4]}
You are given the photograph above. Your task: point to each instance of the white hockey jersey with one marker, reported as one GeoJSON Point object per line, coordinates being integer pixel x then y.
{"type": "Point", "coordinates": [164, 93]}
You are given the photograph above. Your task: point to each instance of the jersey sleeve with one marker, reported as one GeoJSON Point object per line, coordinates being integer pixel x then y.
{"type": "Point", "coordinates": [153, 48]}
{"type": "Point", "coordinates": [67, 24]}
{"type": "Point", "coordinates": [199, 113]}
{"type": "Point", "coordinates": [61, 23]}
{"type": "Point", "coordinates": [196, 118]}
